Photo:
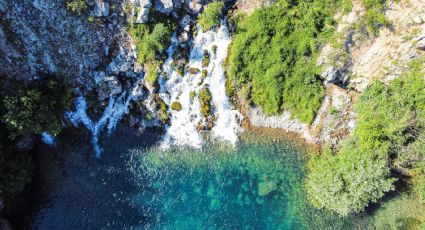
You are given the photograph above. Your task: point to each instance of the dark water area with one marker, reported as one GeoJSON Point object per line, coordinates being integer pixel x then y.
{"type": "Point", "coordinates": [135, 185]}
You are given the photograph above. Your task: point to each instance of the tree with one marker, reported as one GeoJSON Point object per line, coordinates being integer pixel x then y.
{"type": "Point", "coordinates": [348, 182]}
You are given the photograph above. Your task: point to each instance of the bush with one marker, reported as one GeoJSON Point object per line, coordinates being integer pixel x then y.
{"type": "Point", "coordinates": [37, 109]}
{"type": "Point", "coordinates": [77, 6]}
{"type": "Point", "coordinates": [151, 41]}
{"type": "Point", "coordinates": [274, 55]}
{"type": "Point", "coordinates": [347, 182]}
{"type": "Point", "coordinates": [205, 101]}
{"type": "Point", "coordinates": [176, 106]}
{"type": "Point", "coordinates": [390, 130]}
{"type": "Point", "coordinates": [211, 15]}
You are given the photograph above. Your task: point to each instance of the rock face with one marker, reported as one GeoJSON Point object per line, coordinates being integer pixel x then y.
{"type": "Point", "coordinates": [101, 8]}
{"type": "Point", "coordinates": [42, 36]}
{"type": "Point", "coordinates": [164, 6]}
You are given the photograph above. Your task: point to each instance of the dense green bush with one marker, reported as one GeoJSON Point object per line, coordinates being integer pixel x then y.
{"type": "Point", "coordinates": [35, 109]}
{"type": "Point", "coordinates": [347, 182]}
{"type": "Point", "coordinates": [274, 55]}
{"type": "Point", "coordinates": [211, 15]}
{"type": "Point", "coordinates": [77, 6]}
{"type": "Point", "coordinates": [151, 41]}
{"type": "Point", "coordinates": [389, 132]}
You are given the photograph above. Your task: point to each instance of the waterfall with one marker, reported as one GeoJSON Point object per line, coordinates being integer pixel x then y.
{"type": "Point", "coordinates": [183, 124]}
{"type": "Point", "coordinates": [117, 107]}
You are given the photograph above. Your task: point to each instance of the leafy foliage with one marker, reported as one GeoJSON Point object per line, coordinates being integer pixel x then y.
{"type": "Point", "coordinates": [347, 182]}
{"type": "Point", "coordinates": [38, 109]}
{"type": "Point", "coordinates": [274, 55]}
{"type": "Point", "coordinates": [390, 131]}
{"type": "Point", "coordinates": [211, 15]}
{"type": "Point", "coordinates": [374, 17]}
{"type": "Point", "coordinates": [151, 41]}
{"type": "Point", "coordinates": [77, 6]}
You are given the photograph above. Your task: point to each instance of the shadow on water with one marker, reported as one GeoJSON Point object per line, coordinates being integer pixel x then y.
{"type": "Point", "coordinates": [79, 191]}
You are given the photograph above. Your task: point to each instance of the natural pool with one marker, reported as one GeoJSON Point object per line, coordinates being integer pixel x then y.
{"type": "Point", "coordinates": [257, 185]}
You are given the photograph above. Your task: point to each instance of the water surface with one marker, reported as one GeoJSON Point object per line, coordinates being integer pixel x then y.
{"type": "Point", "coordinates": [256, 185]}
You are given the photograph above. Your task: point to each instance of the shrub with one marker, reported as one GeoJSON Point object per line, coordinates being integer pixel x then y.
{"type": "Point", "coordinates": [151, 41]}
{"type": "Point", "coordinates": [37, 109]}
{"type": "Point", "coordinates": [347, 182]}
{"type": "Point", "coordinates": [176, 106]}
{"type": "Point", "coordinates": [77, 6]}
{"type": "Point", "coordinates": [211, 15]}
{"type": "Point", "coordinates": [205, 101]}
{"type": "Point", "coordinates": [274, 54]}
{"type": "Point", "coordinates": [390, 130]}
{"type": "Point", "coordinates": [374, 17]}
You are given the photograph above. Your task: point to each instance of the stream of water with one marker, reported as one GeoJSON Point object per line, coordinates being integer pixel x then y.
{"type": "Point", "coordinates": [173, 87]}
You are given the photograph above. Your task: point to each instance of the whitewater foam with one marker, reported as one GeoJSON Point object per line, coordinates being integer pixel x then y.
{"type": "Point", "coordinates": [182, 130]}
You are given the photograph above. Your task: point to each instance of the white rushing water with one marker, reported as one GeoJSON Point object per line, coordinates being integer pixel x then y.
{"type": "Point", "coordinates": [47, 138]}
{"type": "Point", "coordinates": [183, 127]}
{"type": "Point", "coordinates": [117, 107]}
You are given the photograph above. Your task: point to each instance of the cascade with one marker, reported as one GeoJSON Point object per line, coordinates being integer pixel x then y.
{"type": "Point", "coordinates": [117, 107]}
{"type": "Point", "coordinates": [182, 130]}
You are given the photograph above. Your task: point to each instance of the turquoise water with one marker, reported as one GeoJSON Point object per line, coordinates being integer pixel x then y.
{"type": "Point", "coordinates": [256, 185]}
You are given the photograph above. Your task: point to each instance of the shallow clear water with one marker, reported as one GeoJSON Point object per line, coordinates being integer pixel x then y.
{"type": "Point", "coordinates": [258, 185]}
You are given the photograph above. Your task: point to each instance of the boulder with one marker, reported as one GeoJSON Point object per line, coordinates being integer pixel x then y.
{"type": "Point", "coordinates": [101, 8]}
{"type": "Point", "coordinates": [420, 42]}
{"type": "Point", "coordinates": [164, 6]}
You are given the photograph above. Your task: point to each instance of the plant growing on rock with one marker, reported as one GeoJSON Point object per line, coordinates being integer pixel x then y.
{"type": "Point", "coordinates": [211, 15]}
{"type": "Point", "coordinates": [162, 109]}
{"type": "Point", "coordinates": [77, 6]}
{"type": "Point", "coordinates": [206, 59]}
{"type": "Point", "coordinates": [176, 106]}
{"type": "Point", "coordinates": [205, 101]}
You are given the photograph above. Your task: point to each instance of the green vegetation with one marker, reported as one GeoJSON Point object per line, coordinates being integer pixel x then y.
{"type": "Point", "coordinates": [77, 6]}
{"type": "Point", "coordinates": [151, 40]}
{"type": "Point", "coordinates": [389, 135]}
{"type": "Point", "coordinates": [176, 106]}
{"type": "Point", "coordinates": [206, 59]}
{"type": "Point", "coordinates": [33, 110]}
{"type": "Point", "coordinates": [211, 15]}
{"type": "Point", "coordinates": [374, 17]}
{"type": "Point", "coordinates": [24, 112]}
{"type": "Point", "coordinates": [273, 56]}
{"type": "Point", "coordinates": [205, 101]}
{"type": "Point", "coordinates": [204, 73]}
{"type": "Point", "coordinates": [162, 109]}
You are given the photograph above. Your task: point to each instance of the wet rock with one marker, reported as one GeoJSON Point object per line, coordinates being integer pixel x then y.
{"type": "Point", "coordinates": [25, 144]}
{"type": "Point", "coordinates": [110, 86]}
{"type": "Point", "coordinates": [164, 6]}
{"type": "Point", "coordinates": [101, 8]}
